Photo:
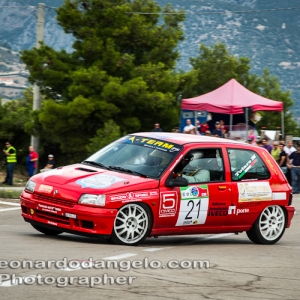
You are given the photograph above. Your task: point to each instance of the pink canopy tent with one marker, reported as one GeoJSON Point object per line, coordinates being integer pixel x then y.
{"type": "Point", "coordinates": [231, 98]}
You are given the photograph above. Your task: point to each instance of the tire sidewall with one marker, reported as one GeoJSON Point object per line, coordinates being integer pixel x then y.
{"type": "Point", "coordinates": [257, 230]}
{"type": "Point", "coordinates": [115, 239]}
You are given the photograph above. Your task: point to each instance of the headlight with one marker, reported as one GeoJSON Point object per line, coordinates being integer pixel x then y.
{"type": "Point", "coordinates": [30, 186]}
{"type": "Point", "coordinates": [92, 199]}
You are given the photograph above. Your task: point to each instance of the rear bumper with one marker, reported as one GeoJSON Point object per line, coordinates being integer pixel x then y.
{"type": "Point", "coordinates": [290, 210]}
{"type": "Point", "coordinates": [79, 219]}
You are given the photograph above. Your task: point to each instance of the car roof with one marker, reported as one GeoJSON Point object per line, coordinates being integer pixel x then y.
{"type": "Point", "coordinates": [182, 138]}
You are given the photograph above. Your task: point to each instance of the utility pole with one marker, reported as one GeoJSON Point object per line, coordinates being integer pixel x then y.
{"type": "Point", "coordinates": [35, 140]}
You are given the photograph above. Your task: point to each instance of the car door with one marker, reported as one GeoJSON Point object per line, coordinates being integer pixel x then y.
{"type": "Point", "coordinates": [251, 188]}
{"type": "Point", "coordinates": [202, 203]}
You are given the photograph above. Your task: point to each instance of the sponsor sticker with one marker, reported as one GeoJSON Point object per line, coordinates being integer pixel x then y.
{"type": "Point", "coordinates": [168, 204]}
{"type": "Point", "coordinates": [45, 188]}
{"type": "Point", "coordinates": [233, 210]}
{"type": "Point", "coordinates": [99, 181]}
{"type": "Point", "coordinates": [254, 191]}
{"type": "Point", "coordinates": [49, 208]}
{"type": "Point", "coordinates": [132, 196]}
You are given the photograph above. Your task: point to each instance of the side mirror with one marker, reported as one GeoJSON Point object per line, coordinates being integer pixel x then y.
{"type": "Point", "coordinates": [178, 181]}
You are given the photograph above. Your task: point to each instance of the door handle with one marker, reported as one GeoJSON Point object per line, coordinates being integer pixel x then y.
{"type": "Point", "coordinates": [222, 187]}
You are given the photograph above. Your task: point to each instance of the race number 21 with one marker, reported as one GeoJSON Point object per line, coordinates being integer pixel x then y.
{"type": "Point", "coordinates": [192, 211]}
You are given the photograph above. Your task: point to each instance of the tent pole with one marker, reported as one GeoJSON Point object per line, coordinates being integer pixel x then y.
{"type": "Point", "coordinates": [282, 124]}
{"type": "Point", "coordinates": [230, 131]}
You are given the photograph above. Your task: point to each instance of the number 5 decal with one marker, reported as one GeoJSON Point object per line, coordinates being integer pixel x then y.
{"type": "Point", "coordinates": [192, 212]}
{"type": "Point", "coordinates": [168, 204]}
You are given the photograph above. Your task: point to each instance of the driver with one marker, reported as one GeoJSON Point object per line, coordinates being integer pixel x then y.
{"type": "Point", "coordinates": [196, 175]}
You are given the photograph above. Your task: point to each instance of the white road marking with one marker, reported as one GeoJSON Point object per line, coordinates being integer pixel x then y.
{"type": "Point", "coordinates": [211, 237]}
{"type": "Point", "coordinates": [121, 256]}
{"type": "Point", "coordinates": [7, 209]}
{"type": "Point", "coordinates": [155, 249]}
{"type": "Point", "coordinates": [9, 203]}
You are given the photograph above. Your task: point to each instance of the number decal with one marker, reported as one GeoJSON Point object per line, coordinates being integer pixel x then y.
{"type": "Point", "coordinates": [187, 216]}
{"type": "Point", "coordinates": [168, 204]}
{"type": "Point", "coordinates": [193, 205]}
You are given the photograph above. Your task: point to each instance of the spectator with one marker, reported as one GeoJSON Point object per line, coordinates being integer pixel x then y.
{"type": "Point", "coordinates": [275, 152]}
{"type": "Point", "coordinates": [223, 126]}
{"type": "Point", "coordinates": [289, 149]}
{"type": "Point", "coordinates": [217, 131]}
{"type": "Point", "coordinates": [251, 137]}
{"type": "Point", "coordinates": [198, 127]}
{"type": "Point", "coordinates": [31, 161]}
{"type": "Point", "coordinates": [156, 128]}
{"type": "Point", "coordinates": [294, 164]}
{"type": "Point", "coordinates": [266, 145]}
{"type": "Point", "coordinates": [189, 126]}
{"type": "Point", "coordinates": [282, 159]}
{"type": "Point", "coordinates": [11, 160]}
{"type": "Point", "coordinates": [51, 163]}
{"type": "Point", "coordinates": [208, 133]}
{"type": "Point", "coordinates": [203, 128]}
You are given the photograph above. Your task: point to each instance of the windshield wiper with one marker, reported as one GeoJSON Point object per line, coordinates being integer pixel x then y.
{"type": "Point", "coordinates": [93, 163]}
{"type": "Point", "coordinates": [127, 171]}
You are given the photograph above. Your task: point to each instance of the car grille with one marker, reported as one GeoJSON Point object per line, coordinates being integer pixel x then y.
{"type": "Point", "coordinates": [52, 200]}
{"type": "Point", "coordinates": [52, 217]}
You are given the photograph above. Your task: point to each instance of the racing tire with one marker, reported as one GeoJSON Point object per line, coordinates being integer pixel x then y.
{"type": "Point", "coordinates": [132, 224]}
{"type": "Point", "coordinates": [46, 231]}
{"type": "Point", "coordinates": [269, 227]}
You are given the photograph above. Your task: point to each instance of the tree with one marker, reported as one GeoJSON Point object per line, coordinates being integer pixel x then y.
{"type": "Point", "coordinates": [213, 67]}
{"type": "Point", "coordinates": [16, 124]}
{"type": "Point", "coordinates": [103, 137]}
{"type": "Point", "coordinates": [122, 69]}
{"type": "Point", "coordinates": [270, 88]}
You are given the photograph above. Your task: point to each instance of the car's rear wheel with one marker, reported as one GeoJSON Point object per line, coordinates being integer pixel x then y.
{"type": "Point", "coordinates": [269, 226]}
{"type": "Point", "coordinates": [46, 230]}
{"type": "Point", "coordinates": [132, 224]}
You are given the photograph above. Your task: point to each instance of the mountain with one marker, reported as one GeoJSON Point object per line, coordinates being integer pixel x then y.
{"type": "Point", "coordinates": [267, 31]}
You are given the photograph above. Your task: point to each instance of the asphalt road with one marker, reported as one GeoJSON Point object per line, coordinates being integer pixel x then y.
{"type": "Point", "coordinates": [238, 269]}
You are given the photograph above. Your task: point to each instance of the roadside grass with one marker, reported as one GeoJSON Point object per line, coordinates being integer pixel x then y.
{"type": "Point", "coordinates": [10, 194]}
{"type": "Point", "coordinates": [12, 191]}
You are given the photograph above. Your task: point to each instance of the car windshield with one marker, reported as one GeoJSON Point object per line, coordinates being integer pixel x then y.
{"type": "Point", "coordinates": [136, 155]}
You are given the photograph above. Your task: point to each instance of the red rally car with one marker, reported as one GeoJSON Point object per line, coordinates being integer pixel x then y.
{"type": "Point", "coordinates": [155, 184]}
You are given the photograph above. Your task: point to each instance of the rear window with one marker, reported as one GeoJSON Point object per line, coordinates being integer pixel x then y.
{"type": "Point", "coordinates": [246, 165]}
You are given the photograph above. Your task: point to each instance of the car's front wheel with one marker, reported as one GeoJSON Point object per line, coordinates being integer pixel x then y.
{"type": "Point", "coordinates": [46, 230]}
{"type": "Point", "coordinates": [132, 224]}
{"type": "Point", "coordinates": [269, 226]}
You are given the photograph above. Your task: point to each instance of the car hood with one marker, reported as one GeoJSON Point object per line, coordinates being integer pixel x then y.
{"type": "Point", "coordinates": [85, 178]}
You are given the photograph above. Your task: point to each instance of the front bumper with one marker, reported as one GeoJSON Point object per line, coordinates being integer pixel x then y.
{"type": "Point", "coordinates": [78, 219]}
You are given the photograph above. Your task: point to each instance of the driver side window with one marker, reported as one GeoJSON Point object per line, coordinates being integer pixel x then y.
{"type": "Point", "coordinates": [205, 165]}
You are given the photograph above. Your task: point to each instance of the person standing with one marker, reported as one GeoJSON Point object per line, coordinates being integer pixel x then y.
{"type": "Point", "coordinates": [266, 145]}
{"type": "Point", "coordinates": [31, 161]}
{"type": "Point", "coordinates": [289, 149]}
{"type": "Point", "coordinates": [11, 160]}
{"type": "Point", "coordinates": [217, 131]}
{"type": "Point", "coordinates": [189, 127]}
{"type": "Point", "coordinates": [295, 169]}
{"type": "Point", "coordinates": [275, 152]}
{"type": "Point", "coordinates": [282, 159]}
{"type": "Point", "coordinates": [156, 128]}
